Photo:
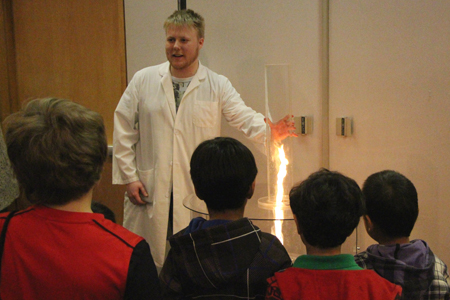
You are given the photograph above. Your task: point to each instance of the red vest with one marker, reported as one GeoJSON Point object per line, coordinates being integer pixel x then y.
{"type": "Point", "coordinates": [54, 254]}
{"type": "Point", "coordinates": [297, 283]}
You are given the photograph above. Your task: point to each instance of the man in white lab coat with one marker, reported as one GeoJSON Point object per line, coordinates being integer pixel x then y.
{"type": "Point", "coordinates": [165, 112]}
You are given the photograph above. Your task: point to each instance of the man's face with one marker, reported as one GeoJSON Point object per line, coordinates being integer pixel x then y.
{"type": "Point", "coordinates": [182, 49]}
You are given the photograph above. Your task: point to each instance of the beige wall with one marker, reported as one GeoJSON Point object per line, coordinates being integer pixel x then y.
{"type": "Point", "coordinates": [390, 71]}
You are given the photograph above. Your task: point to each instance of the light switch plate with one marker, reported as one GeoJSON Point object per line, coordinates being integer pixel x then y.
{"type": "Point", "coordinates": [303, 125]}
{"type": "Point", "coordinates": [344, 126]}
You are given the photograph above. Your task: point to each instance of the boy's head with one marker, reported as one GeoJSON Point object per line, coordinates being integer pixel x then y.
{"type": "Point", "coordinates": [223, 171]}
{"type": "Point", "coordinates": [57, 149]}
{"type": "Point", "coordinates": [187, 18]}
{"type": "Point", "coordinates": [327, 207]}
{"type": "Point", "coordinates": [391, 203]}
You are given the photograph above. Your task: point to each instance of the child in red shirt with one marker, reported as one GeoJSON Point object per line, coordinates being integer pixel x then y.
{"type": "Point", "coordinates": [327, 207]}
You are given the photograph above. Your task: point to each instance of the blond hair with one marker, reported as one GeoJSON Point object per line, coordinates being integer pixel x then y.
{"type": "Point", "coordinates": [187, 18]}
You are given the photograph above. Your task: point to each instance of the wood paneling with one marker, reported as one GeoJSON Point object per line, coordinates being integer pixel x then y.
{"type": "Point", "coordinates": [108, 194]}
{"type": "Point", "coordinates": [8, 87]}
{"type": "Point", "coordinates": [71, 49]}
{"type": "Point", "coordinates": [67, 49]}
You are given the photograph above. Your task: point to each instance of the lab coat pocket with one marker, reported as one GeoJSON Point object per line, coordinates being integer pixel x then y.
{"type": "Point", "coordinates": [148, 180]}
{"type": "Point", "coordinates": [205, 113]}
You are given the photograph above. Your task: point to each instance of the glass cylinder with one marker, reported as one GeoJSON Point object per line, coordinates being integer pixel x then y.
{"type": "Point", "coordinates": [279, 160]}
{"type": "Point", "coordinates": [279, 153]}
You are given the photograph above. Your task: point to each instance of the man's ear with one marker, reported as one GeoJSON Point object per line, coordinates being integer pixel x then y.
{"type": "Point", "coordinates": [251, 190]}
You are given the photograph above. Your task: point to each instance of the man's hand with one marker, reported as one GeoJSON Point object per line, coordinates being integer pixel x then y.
{"type": "Point", "coordinates": [133, 190]}
{"type": "Point", "coordinates": [282, 129]}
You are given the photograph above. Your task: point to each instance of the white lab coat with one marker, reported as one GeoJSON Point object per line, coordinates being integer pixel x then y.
{"type": "Point", "coordinates": [153, 143]}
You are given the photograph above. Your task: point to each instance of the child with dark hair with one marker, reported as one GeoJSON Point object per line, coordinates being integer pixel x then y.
{"type": "Point", "coordinates": [392, 210]}
{"type": "Point", "coordinates": [327, 207]}
{"type": "Point", "coordinates": [225, 257]}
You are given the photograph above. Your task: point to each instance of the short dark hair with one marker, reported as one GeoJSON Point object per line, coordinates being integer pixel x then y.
{"type": "Point", "coordinates": [391, 203]}
{"type": "Point", "coordinates": [223, 170]}
{"type": "Point", "coordinates": [57, 149]}
{"type": "Point", "coordinates": [328, 206]}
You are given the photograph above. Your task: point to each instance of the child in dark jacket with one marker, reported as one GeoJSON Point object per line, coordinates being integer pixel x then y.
{"type": "Point", "coordinates": [225, 257]}
{"type": "Point", "coordinates": [392, 210]}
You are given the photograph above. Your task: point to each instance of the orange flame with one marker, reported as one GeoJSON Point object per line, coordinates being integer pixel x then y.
{"type": "Point", "coordinates": [282, 172]}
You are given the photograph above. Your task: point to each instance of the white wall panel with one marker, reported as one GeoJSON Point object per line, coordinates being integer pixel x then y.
{"type": "Point", "coordinates": [390, 72]}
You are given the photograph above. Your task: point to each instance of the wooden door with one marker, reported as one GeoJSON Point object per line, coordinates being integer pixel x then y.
{"type": "Point", "coordinates": [67, 49]}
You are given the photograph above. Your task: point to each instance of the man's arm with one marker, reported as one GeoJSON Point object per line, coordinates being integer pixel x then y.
{"type": "Point", "coordinates": [239, 115]}
{"type": "Point", "coordinates": [134, 191]}
{"type": "Point", "coordinates": [251, 123]}
{"type": "Point", "coordinates": [126, 135]}
{"type": "Point", "coordinates": [282, 128]}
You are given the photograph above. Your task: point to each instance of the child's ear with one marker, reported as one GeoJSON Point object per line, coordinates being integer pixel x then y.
{"type": "Point", "coordinates": [371, 228]}
{"type": "Point", "coordinates": [299, 230]}
{"type": "Point", "coordinates": [251, 190]}
{"type": "Point", "coordinates": [368, 223]}
{"type": "Point", "coordinates": [197, 194]}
